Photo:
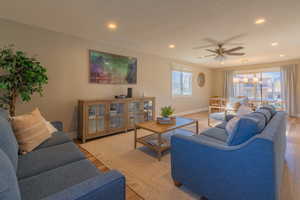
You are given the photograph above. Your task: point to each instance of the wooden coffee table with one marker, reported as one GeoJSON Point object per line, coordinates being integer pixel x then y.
{"type": "Point", "coordinates": [155, 140]}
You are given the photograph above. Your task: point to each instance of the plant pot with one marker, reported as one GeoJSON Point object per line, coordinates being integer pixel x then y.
{"type": "Point", "coordinates": [166, 120]}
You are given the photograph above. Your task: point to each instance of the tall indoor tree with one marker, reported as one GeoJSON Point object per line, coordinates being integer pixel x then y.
{"type": "Point", "coordinates": [20, 76]}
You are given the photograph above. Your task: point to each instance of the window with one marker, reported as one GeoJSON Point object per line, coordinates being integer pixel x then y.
{"type": "Point", "coordinates": [259, 86]}
{"type": "Point", "coordinates": [181, 83]}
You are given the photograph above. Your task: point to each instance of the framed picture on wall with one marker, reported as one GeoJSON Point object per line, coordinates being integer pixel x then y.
{"type": "Point", "coordinates": [107, 68]}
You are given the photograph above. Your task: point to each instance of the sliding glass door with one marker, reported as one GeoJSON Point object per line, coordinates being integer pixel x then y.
{"type": "Point", "coordinates": [259, 87]}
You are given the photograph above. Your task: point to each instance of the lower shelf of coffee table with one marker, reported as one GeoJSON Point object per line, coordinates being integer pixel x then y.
{"type": "Point", "coordinates": [152, 140]}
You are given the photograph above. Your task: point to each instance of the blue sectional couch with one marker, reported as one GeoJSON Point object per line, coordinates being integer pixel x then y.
{"type": "Point", "coordinates": [56, 170]}
{"type": "Point", "coordinates": [246, 164]}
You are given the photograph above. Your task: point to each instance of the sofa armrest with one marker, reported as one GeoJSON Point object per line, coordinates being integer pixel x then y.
{"type": "Point", "coordinates": [206, 166]}
{"type": "Point", "coordinates": [58, 125]}
{"type": "Point", "coordinates": [110, 185]}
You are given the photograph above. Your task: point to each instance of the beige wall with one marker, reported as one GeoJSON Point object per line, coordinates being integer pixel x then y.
{"type": "Point", "coordinates": [66, 59]}
{"type": "Point", "coordinates": [218, 76]}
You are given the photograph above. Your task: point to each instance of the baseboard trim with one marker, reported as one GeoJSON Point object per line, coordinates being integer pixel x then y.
{"type": "Point", "coordinates": [192, 111]}
{"type": "Point", "coordinates": [298, 115]}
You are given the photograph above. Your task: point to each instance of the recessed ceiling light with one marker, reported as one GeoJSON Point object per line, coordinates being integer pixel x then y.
{"type": "Point", "coordinates": [281, 55]}
{"type": "Point", "coordinates": [172, 46]}
{"type": "Point", "coordinates": [260, 21]}
{"type": "Point", "coordinates": [274, 44]}
{"type": "Point", "coordinates": [112, 26]}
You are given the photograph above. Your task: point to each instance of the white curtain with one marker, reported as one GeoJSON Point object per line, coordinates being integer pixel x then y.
{"type": "Point", "coordinates": [228, 84]}
{"type": "Point", "coordinates": [288, 88]}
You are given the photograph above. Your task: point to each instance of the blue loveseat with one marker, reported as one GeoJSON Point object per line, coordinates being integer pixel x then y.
{"type": "Point", "coordinates": [56, 170]}
{"type": "Point", "coordinates": [246, 164]}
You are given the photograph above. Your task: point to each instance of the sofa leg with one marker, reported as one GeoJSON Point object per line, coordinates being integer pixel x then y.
{"type": "Point", "coordinates": [177, 184]}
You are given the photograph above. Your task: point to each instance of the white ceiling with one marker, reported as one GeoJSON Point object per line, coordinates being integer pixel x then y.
{"type": "Point", "coordinates": [151, 25]}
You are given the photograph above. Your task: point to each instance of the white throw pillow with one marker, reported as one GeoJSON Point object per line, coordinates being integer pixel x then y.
{"type": "Point", "coordinates": [231, 124]}
{"type": "Point", "coordinates": [243, 110]}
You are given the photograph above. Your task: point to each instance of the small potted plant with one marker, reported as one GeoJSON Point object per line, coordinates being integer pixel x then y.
{"type": "Point", "coordinates": [166, 113]}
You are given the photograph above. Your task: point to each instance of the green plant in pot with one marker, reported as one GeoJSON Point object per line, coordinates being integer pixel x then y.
{"type": "Point", "coordinates": [167, 111]}
{"type": "Point", "coordinates": [21, 76]}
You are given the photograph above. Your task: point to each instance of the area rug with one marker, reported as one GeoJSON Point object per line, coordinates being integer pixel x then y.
{"type": "Point", "coordinates": [148, 177]}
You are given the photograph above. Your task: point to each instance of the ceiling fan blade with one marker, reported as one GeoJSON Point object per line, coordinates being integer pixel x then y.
{"type": "Point", "coordinates": [233, 38]}
{"type": "Point", "coordinates": [206, 46]}
{"type": "Point", "coordinates": [235, 54]}
{"type": "Point", "coordinates": [233, 49]}
{"type": "Point", "coordinates": [211, 55]}
{"type": "Point", "coordinates": [235, 44]}
{"type": "Point", "coordinates": [213, 51]}
{"type": "Point", "coordinates": [212, 41]}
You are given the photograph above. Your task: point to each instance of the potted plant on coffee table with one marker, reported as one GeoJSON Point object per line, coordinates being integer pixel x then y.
{"type": "Point", "coordinates": [166, 115]}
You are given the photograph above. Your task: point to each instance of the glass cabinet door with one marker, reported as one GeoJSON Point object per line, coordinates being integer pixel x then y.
{"type": "Point", "coordinates": [134, 113]}
{"type": "Point", "coordinates": [96, 121]}
{"type": "Point", "coordinates": [148, 110]}
{"type": "Point", "coordinates": [116, 115]}
{"type": "Point", "coordinates": [101, 117]}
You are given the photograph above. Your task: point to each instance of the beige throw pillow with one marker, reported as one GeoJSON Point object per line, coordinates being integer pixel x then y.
{"type": "Point", "coordinates": [50, 127]}
{"type": "Point", "coordinates": [30, 130]}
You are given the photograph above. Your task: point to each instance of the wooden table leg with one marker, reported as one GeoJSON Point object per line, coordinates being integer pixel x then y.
{"type": "Point", "coordinates": [135, 135]}
{"type": "Point", "coordinates": [197, 127]}
{"type": "Point", "coordinates": [159, 147]}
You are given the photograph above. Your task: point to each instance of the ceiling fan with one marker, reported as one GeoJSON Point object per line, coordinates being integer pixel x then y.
{"type": "Point", "coordinates": [221, 53]}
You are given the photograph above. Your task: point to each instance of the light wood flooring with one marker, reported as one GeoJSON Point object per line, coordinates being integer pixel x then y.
{"type": "Point", "coordinates": [291, 182]}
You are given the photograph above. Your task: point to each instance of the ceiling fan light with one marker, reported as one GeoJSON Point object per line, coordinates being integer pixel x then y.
{"type": "Point", "coordinates": [220, 58]}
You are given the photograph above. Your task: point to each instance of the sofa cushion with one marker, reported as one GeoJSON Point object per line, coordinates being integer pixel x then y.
{"type": "Point", "coordinates": [8, 142]}
{"type": "Point", "coordinates": [9, 188]}
{"type": "Point", "coordinates": [248, 126]}
{"type": "Point", "coordinates": [4, 113]}
{"type": "Point", "coordinates": [46, 159]}
{"type": "Point", "coordinates": [220, 116]}
{"type": "Point", "coordinates": [56, 180]}
{"type": "Point", "coordinates": [261, 119]}
{"type": "Point", "coordinates": [216, 133]}
{"type": "Point", "coordinates": [266, 112]}
{"type": "Point", "coordinates": [271, 108]}
{"type": "Point", "coordinates": [56, 139]}
{"type": "Point", "coordinates": [221, 125]}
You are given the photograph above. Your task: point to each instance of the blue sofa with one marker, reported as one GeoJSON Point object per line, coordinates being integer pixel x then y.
{"type": "Point", "coordinates": [246, 164]}
{"type": "Point", "coordinates": [56, 170]}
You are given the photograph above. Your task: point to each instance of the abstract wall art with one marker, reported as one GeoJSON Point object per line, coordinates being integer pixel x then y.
{"type": "Point", "coordinates": [107, 68]}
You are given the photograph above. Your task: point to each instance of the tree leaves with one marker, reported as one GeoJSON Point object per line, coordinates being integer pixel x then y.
{"type": "Point", "coordinates": [23, 76]}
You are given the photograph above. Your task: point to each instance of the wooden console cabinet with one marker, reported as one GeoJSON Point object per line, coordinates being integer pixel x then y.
{"type": "Point", "coordinates": [108, 116]}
